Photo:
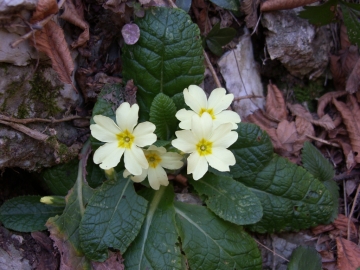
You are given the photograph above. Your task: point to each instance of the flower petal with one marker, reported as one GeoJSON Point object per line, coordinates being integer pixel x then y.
{"type": "Point", "coordinates": [185, 117]}
{"type": "Point", "coordinates": [197, 165]}
{"type": "Point", "coordinates": [221, 159]}
{"type": "Point", "coordinates": [219, 101]}
{"type": "Point", "coordinates": [227, 116]}
{"type": "Point", "coordinates": [222, 136]}
{"type": "Point", "coordinates": [157, 176]}
{"type": "Point", "coordinates": [144, 135]}
{"type": "Point", "coordinates": [139, 178]}
{"type": "Point", "coordinates": [202, 126]}
{"type": "Point", "coordinates": [108, 155]}
{"type": "Point", "coordinates": [101, 134]}
{"type": "Point", "coordinates": [195, 98]}
{"type": "Point", "coordinates": [185, 141]}
{"type": "Point", "coordinates": [126, 116]}
{"type": "Point", "coordinates": [135, 160]}
{"type": "Point", "coordinates": [171, 161]}
{"type": "Point", "coordinates": [161, 150]}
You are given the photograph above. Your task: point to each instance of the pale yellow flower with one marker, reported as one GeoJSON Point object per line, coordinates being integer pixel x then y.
{"type": "Point", "coordinates": [206, 145]}
{"type": "Point", "coordinates": [216, 106]}
{"type": "Point", "coordinates": [158, 159]}
{"type": "Point", "coordinates": [121, 138]}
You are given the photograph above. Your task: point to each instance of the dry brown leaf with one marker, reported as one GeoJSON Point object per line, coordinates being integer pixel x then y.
{"type": "Point", "coordinates": [71, 15]}
{"type": "Point", "coordinates": [352, 123]}
{"type": "Point", "coordinates": [344, 38]}
{"type": "Point", "coordinates": [44, 9]}
{"type": "Point", "coordinates": [275, 104]}
{"type": "Point", "coordinates": [51, 41]}
{"type": "Point", "coordinates": [325, 122]}
{"type": "Point", "coordinates": [272, 5]}
{"type": "Point", "coordinates": [326, 99]}
{"type": "Point", "coordinates": [250, 8]}
{"type": "Point", "coordinates": [287, 134]}
{"type": "Point", "coordinates": [115, 261]}
{"type": "Point", "coordinates": [130, 92]}
{"type": "Point", "coordinates": [347, 150]}
{"type": "Point", "coordinates": [298, 110]}
{"type": "Point", "coordinates": [348, 254]}
{"type": "Point", "coordinates": [304, 127]}
{"type": "Point", "coordinates": [337, 131]}
{"type": "Point", "coordinates": [353, 82]}
{"type": "Point", "coordinates": [341, 223]}
{"type": "Point", "coordinates": [116, 6]}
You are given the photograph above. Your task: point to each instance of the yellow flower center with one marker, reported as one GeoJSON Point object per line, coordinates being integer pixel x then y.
{"type": "Point", "coordinates": [209, 111]}
{"type": "Point", "coordinates": [125, 139]}
{"type": "Point", "coordinates": [204, 147]}
{"type": "Point", "coordinates": [153, 159]}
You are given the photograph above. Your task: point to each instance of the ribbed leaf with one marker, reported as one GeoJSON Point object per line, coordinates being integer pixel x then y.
{"type": "Point", "coordinates": [211, 243]}
{"type": "Point", "coordinates": [229, 199]}
{"type": "Point", "coordinates": [292, 199]}
{"type": "Point", "coordinates": [27, 214]}
{"type": "Point", "coordinates": [162, 115]}
{"type": "Point", "coordinates": [113, 218]}
{"type": "Point", "coordinates": [320, 15]}
{"type": "Point", "coordinates": [351, 14]}
{"type": "Point", "coordinates": [156, 246]}
{"type": "Point", "coordinates": [167, 58]}
{"type": "Point", "coordinates": [305, 258]}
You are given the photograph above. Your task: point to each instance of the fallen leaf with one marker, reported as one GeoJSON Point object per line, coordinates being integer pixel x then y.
{"type": "Point", "coordinates": [275, 104]}
{"type": "Point", "coordinates": [349, 113]}
{"type": "Point", "coordinates": [272, 5]}
{"type": "Point", "coordinates": [304, 127]}
{"type": "Point", "coordinates": [325, 122]}
{"type": "Point", "coordinates": [250, 8]}
{"type": "Point", "coordinates": [348, 254]}
{"type": "Point", "coordinates": [347, 150]}
{"type": "Point", "coordinates": [115, 261]}
{"type": "Point", "coordinates": [341, 223]}
{"type": "Point", "coordinates": [350, 186]}
{"type": "Point", "coordinates": [130, 92]}
{"type": "Point", "coordinates": [287, 134]}
{"type": "Point", "coordinates": [325, 99]}
{"type": "Point", "coordinates": [44, 9]}
{"type": "Point", "coordinates": [353, 82]}
{"type": "Point", "coordinates": [71, 15]}
{"type": "Point", "coordinates": [344, 38]}
{"type": "Point", "coordinates": [298, 110]}
{"type": "Point", "coordinates": [51, 41]}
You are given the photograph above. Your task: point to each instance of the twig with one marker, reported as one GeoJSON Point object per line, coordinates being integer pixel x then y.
{"type": "Point", "coordinates": [256, 26]}
{"type": "Point", "coordinates": [31, 120]}
{"type": "Point", "coordinates": [352, 211]}
{"type": "Point", "coordinates": [323, 141]}
{"type": "Point", "coordinates": [28, 131]}
{"type": "Point", "coordinates": [212, 70]}
{"type": "Point", "coordinates": [272, 251]}
{"type": "Point", "coordinates": [247, 97]}
{"type": "Point", "coordinates": [345, 175]}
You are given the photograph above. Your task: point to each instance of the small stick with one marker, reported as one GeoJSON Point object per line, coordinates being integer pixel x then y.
{"type": "Point", "coordinates": [31, 120]}
{"type": "Point", "coordinates": [212, 70]}
{"type": "Point", "coordinates": [28, 131]}
{"type": "Point", "coordinates": [272, 251]}
{"type": "Point", "coordinates": [323, 141]}
{"type": "Point", "coordinates": [352, 212]}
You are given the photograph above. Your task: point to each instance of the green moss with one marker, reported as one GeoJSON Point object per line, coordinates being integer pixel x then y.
{"type": "Point", "coordinates": [11, 90]}
{"type": "Point", "coordinates": [22, 110]}
{"type": "Point", "coordinates": [308, 93]}
{"type": "Point", "coordinates": [42, 90]}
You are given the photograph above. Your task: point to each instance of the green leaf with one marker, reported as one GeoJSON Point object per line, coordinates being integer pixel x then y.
{"type": "Point", "coordinates": [61, 178]}
{"type": "Point", "coordinates": [156, 246]}
{"type": "Point", "coordinates": [292, 199]}
{"type": "Point", "coordinates": [229, 199]}
{"type": "Point", "coordinates": [27, 214]}
{"type": "Point", "coordinates": [64, 229]}
{"type": "Point", "coordinates": [305, 258]}
{"type": "Point", "coordinates": [160, 143]}
{"type": "Point", "coordinates": [167, 58]}
{"type": "Point", "coordinates": [321, 169]}
{"type": "Point", "coordinates": [113, 218]}
{"type": "Point", "coordinates": [179, 101]}
{"type": "Point", "coordinates": [214, 47]}
{"type": "Point", "coordinates": [320, 15]}
{"type": "Point", "coordinates": [351, 14]}
{"type": "Point", "coordinates": [227, 4]}
{"type": "Point", "coordinates": [253, 150]}
{"type": "Point", "coordinates": [95, 175]}
{"type": "Point", "coordinates": [162, 115]}
{"type": "Point", "coordinates": [211, 243]}
{"type": "Point", "coordinates": [184, 4]}
{"type": "Point", "coordinates": [219, 37]}
{"type": "Point", "coordinates": [315, 163]}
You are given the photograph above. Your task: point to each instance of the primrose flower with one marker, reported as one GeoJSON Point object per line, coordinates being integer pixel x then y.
{"type": "Point", "coordinates": [158, 159]}
{"type": "Point", "coordinates": [206, 145]}
{"type": "Point", "coordinates": [216, 106]}
{"type": "Point", "coordinates": [121, 138]}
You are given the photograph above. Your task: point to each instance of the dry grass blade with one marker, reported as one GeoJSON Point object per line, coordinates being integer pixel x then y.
{"type": "Point", "coordinates": [349, 114]}
{"type": "Point", "coordinates": [51, 41]}
{"type": "Point", "coordinates": [326, 99]}
{"type": "Point", "coordinates": [348, 254]}
{"type": "Point", "coordinates": [272, 5]}
{"type": "Point", "coordinates": [353, 82]}
{"type": "Point", "coordinates": [44, 9]}
{"type": "Point", "coordinates": [275, 103]}
{"type": "Point", "coordinates": [71, 15]}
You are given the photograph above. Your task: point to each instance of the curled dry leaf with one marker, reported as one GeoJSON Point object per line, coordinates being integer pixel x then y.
{"type": "Point", "coordinates": [353, 82]}
{"type": "Point", "coordinates": [275, 104]}
{"type": "Point", "coordinates": [272, 5]}
{"type": "Point", "coordinates": [347, 150]}
{"type": "Point", "coordinates": [71, 15]}
{"type": "Point", "coordinates": [349, 113]}
{"type": "Point", "coordinates": [325, 122]}
{"type": "Point", "coordinates": [250, 8]}
{"type": "Point", "coordinates": [326, 99]}
{"type": "Point", "coordinates": [51, 41]}
{"type": "Point", "coordinates": [348, 254]}
{"type": "Point", "coordinates": [44, 9]}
